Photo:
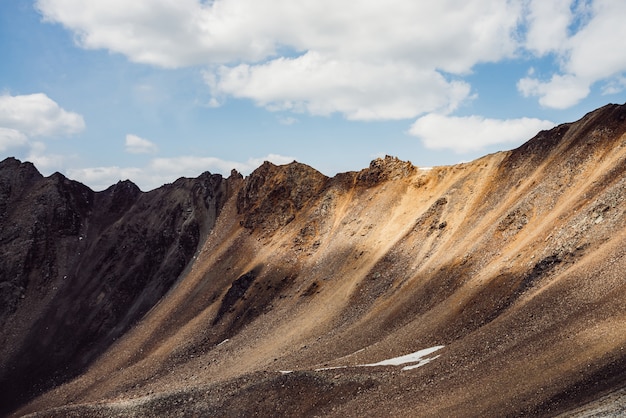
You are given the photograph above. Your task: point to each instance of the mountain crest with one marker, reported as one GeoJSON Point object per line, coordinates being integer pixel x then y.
{"type": "Point", "coordinates": [289, 293]}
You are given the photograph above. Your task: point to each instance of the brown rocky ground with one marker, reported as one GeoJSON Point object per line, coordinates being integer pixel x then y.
{"type": "Point", "coordinates": [514, 263]}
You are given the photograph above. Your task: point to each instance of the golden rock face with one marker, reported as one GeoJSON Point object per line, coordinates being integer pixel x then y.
{"type": "Point", "coordinates": [513, 264]}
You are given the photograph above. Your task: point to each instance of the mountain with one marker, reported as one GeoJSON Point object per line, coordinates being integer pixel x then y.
{"type": "Point", "coordinates": [289, 293]}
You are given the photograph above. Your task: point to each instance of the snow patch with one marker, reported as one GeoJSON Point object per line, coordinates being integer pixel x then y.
{"type": "Point", "coordinates": [408, 358]}
{"type": "Point", "coordinates": [420, 364]}
{"type": "Point", "coordinates": [418, 358]}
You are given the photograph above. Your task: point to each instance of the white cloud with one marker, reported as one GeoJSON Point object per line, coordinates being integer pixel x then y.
{"type": "Point", "coordinates": [11, 138]}
{"type": "Point", "coordinates": [596, 51]}
{"type": "Point", "coordinates": [137, 145]}
{"type": "Point", "coordinates": [166, 170]}
{"type": "Point", "coordinates": [470, 133]}
{"type": "Point", "coordinates": [25, 117]}
{"type": "Point", "coordinates": [548, 23]}
{"type": "Point", "coordinates": [361, 91]}
{"type": "Point", "coordinates": [191, 32]}
{"type": "Point", "coordinates": [364, 59]}
{"type": "Point", "coordinates": [588, 44]}
{"type": "Point", "coordinates": [561, 92]}
{"type": "Point", "coordinates": [38, 115]}
{"type": "Point", "coordinates": [45, 161]}
{"type": "Point", "coordinates": [614, 86]}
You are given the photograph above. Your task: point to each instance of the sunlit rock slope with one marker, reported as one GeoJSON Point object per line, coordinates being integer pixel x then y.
{"type": "Point", "coordinates": [266, 296]}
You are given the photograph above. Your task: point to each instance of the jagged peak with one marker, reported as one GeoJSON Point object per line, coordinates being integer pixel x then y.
{"type": "Point", "coordinates": [26, 167]}
{"type": "Point", "coordinates": [272, 194]}
{"type": "Point", "coordinates": [10, 162]}
{"type": "Point", "coordinates": [599, 129]}
{"type": "Point", "coordinates": [123, 187]}
{"type": "Point", "coordinates": [234, 174]}
{"type": "Point", "coordinates": [383, 169]}
{"type": "Point", "coordinates": [119, 197]}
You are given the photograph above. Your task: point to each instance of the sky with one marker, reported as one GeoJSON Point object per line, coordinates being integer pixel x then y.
{"type": "Point", "coordinates": [153, 90]}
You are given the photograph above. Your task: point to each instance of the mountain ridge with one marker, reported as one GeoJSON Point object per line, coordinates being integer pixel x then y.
{"type": "Point", "coordinates": [513, 262]}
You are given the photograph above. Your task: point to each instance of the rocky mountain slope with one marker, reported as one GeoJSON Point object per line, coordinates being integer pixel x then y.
{"type": "Point", "coordinates": [282, 294]}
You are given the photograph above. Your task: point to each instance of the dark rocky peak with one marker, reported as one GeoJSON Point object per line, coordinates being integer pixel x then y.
{"type": "Point", "coordinates": [383, 169]}
{"type": "Point", "coordinates": [200, 197]}
{"type": "Point", "coordinates": [235, 175]}
{"type": "Point", "coordinates": [601, 125]}
{"type": "Point", "coordinates": [570, 144]}
{"type": "Point", "coordinates": [54, 205]}
{"type": "Point", "coordinates": [272, 195]}
{"type": "Point", "coordinates": [71, 188]}
{"type": "Point", "coordinates": [12, 164]}
{"type": "Point", "coordinates": [598, 130]}
{"type": "Point", "coordinates": [124, 188]}
{"type": "Point", "coordinates": [205, 184]}
{"type": "Point", "coordinates": [117, 199]}
{"type": "Point", "coordinates": [15, 176]}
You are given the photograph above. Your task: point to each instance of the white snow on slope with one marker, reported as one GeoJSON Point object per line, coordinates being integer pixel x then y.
{"type": "Point", "coordinates": [420, 364]}
{"type": "Point", "coordinates": [416, 357]}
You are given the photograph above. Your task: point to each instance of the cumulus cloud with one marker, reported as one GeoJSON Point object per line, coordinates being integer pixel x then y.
{"type": "Point", "coordinates": [137, 145]}
{"type": "Point", "coordinates": [588, 45]}
{"type": "Point", "coordinates": [166, 170]}
{"type": "Point", "coordinates": [361, 91]}
{"type": "Point", "coordinates": [366, 60]}
{"type": "Point", "coordinates": [560, 92]}
{"type": "Point", "coordinates": [11, 138]}
{"type": "Point", "coordinates": [46, 161]}
{"type": "Point", "coordinates": [25, 117]}
{"type": "Point", "coordinates": [470, 133]}
{"type": "Point", "coordinates": [548, 24]}
{"type": "Point", "coordinates": [38, 115]}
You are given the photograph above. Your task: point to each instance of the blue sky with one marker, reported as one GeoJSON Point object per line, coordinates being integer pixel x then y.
{"type": "Point", "coordinates": [152, 90]}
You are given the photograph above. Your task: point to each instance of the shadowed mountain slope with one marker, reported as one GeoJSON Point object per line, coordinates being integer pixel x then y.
{"type": "Point", "coordinates": [79, 268]}
{"type": "Point", "coordinates": [514, 263]}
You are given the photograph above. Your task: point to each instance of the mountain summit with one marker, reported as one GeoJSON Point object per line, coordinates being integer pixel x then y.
{"type": "Point", "coordinates": [490, 288]}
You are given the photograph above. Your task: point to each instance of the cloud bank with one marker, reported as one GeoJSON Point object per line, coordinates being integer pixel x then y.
{"type": "Point", "coordinates": [365, 60]}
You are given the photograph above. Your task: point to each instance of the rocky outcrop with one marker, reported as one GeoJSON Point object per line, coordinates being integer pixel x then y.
{"type": "Point", "coordinates": [383, 169]}
{"type": "Point", "coordinates": [272, 196]}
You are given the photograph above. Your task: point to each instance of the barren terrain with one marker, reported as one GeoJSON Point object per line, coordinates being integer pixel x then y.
{"type": "Point", "coordinates": [289, 293]}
